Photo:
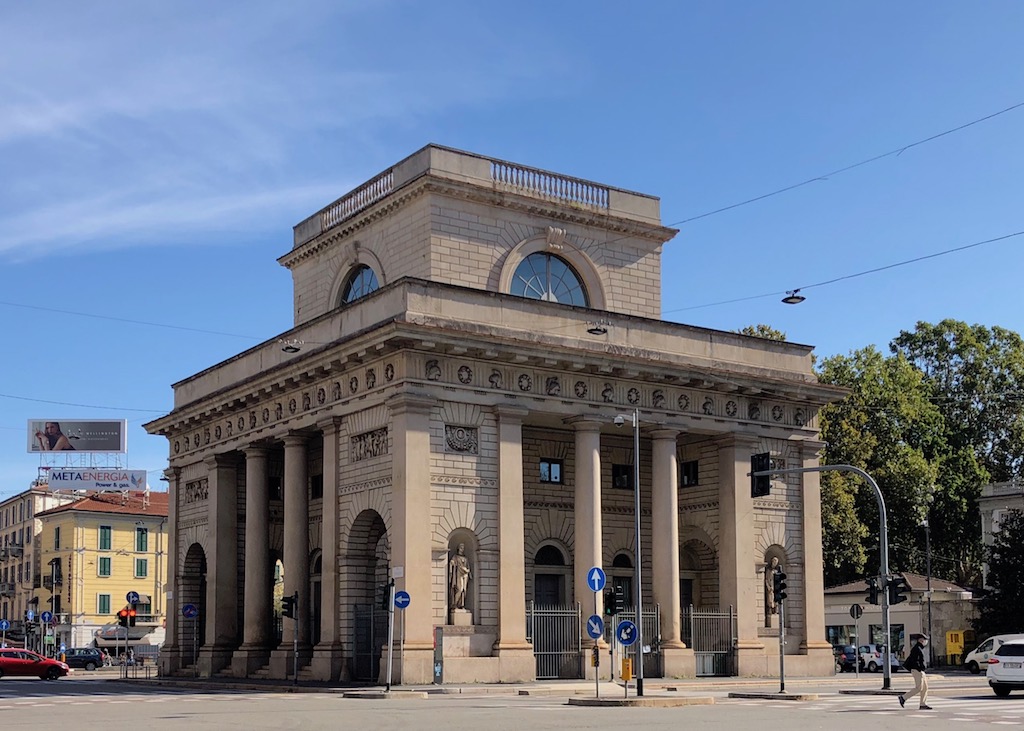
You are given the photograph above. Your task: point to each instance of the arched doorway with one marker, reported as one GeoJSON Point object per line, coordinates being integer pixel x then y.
{"type": "Point", "coordinates": [621, 575]}
{"type": "Point", "coordinates": [192, 632]}
{"type": "Point", "coordinates": [366, 575]}
{"type": "Point", "coordinates": [277, 592]}
{"type": "Point", "coordinates": [549, 573]}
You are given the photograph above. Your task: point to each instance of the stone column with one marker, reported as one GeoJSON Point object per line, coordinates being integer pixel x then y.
{"type": "Point", "coordinates": [665, 551]}
{"type": "Point", "coordinates": [517, 659]}
{"type": "Point", "coordinates": [328, 655]}
{"type": "Point", "coordinates": [222, 565]}
{"type": "Point", "coordinates": [587, 522]}
{"type": "Point", "coordinates": [255, 649]}
{"type": "Point", "coordinates": [739, 580]}
{"type": "Point", "coordinates": [819, 651]}
{"type": "Point", "coordinates": [410, 530]}
{"type": "Point", "coordinates": [170, 653]}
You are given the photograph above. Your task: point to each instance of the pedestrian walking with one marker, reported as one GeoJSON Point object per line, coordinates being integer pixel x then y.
{"type": "Point", "coordinates": [915, 664]}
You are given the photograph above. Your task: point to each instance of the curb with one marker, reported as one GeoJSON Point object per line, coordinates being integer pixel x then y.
{"type": "Point", "coordinates": [383, 695]}
{"type": "Point", "coordinates": [778, 696]}
{"type": "Point", "coordinates": [645, 702]}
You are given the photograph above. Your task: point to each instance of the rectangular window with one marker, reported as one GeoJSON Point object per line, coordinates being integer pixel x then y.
{"type": "Point", "coordinates": [56, 538]}
{"type": "Point", "coordinates": [142, 539]}
{"type": "Point", "coordinates": [316, 487]}
{"type": "Point", "coordinates": [105, 537]}
{"type": "Point", "coordinates": [551, 471]}
{"type": "Point", "coordinates": [622, 476]}
{"type": "Point", "coordinates": [688, 473]}
{"type": "Point", "coordinates": [103, 566]}
{"type": "Point", "coordinates": [103, 603]}
{"type": "Point", "coordinates": [141, 568]}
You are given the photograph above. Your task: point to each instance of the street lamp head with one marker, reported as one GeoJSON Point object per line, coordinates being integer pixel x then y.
{"type": "Point", "coordinates": [793, 297]}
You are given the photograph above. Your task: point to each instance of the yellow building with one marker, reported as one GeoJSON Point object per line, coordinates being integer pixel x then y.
{"type": "Point", "coordinates": [93, 552]}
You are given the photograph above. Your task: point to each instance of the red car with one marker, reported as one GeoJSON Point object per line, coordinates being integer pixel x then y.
{"type": "Point", "coordinates": [25, 662]}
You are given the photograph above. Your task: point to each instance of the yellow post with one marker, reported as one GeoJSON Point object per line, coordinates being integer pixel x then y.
{"type": "Point", "coordinates": [627, 669]}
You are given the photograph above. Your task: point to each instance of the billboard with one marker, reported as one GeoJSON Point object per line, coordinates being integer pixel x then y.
{"type": "Point", "coordinates": [77, 435]}
{"type": "Point", "coordinates": [97, 478]}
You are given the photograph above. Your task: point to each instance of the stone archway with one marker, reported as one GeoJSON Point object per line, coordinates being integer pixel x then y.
{"type": "Point", "coordinates": [366, 571]}
{"type": "Point", "coordinates": [192, 632]}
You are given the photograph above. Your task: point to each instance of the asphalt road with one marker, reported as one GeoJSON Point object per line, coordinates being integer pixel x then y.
{"type": "Point", "coordinates": [96, 702]}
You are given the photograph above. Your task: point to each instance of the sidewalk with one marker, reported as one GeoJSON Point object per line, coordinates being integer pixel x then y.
{"type": "Point", "coordinates": [657, 686]}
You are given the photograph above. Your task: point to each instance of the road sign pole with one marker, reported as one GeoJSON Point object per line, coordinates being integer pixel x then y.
{"type": "Point", "coordinates": [401, 655]}
{"type": "Point", "coordinates": [195, 646]}
{"type": "Point", "coordinates": [295, 641]}
{"type": "Point", "coordinates": [782, 646]}
{"type": "Point", "coordinates": [391, 631]}
{"type": "Point", "coordinates": [597, 658]}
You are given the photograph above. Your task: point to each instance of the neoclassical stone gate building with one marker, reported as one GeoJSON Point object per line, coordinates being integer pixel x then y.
{"type": "Point", "coordinates": [466, 330]}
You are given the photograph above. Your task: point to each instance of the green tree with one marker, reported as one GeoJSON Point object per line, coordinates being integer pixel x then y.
{"type": "Point", "coordinates": [1000, 609]}
{"type": "Point", "coordinates": [888, 427]}
{"type": "Point", "coordinates": [762, 331]}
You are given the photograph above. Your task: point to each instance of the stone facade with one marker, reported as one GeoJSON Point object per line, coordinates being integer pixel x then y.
{"type": "Point", "coordinates": [438, 408]}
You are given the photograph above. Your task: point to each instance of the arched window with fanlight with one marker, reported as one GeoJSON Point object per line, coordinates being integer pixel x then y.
{"type": "Point", "coordinates": [547, 277]}
{"type": "Point", "coordinates": [361, 281]}
{"type": "Point", "coordinates": [549, 577]}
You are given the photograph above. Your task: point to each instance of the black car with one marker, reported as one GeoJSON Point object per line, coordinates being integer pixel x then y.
{"type": "Point", "coordinates": [88, 658]}
{"type": "Point", "coordinates": [846, 658]}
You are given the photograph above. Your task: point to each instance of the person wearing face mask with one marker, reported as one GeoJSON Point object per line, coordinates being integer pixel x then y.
{"type": "Point", "coordinates": [915, 664]}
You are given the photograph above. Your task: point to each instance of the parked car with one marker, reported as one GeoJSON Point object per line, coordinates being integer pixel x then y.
{"type": "Point", "coordinates": [871, 659]}
{"type": "Point", "coordinates": [88, 658]}
{"type": "Point", "coordinates": [1006, 668]}
{"type": "Point", "coordinates": [846, 658]}
{"type": "Point", "coordinates": [977, 659]}
{"type": "Point", "coordinates": [27, 663]}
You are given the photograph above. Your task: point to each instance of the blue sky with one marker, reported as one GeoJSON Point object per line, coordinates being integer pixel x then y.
{"type": "Point", "coordinates": [155, 157]}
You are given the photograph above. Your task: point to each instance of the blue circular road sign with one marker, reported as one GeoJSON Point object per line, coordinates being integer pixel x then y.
{"type": "Point", "coordinates": [4, 625]}
{"type": "Point", "coordinates": [595, 627]}
{"type": "Point", "coordinates": [626, 632]}
{"type": "Point", "coordinates": [63, 647]}
{"type": "Point", "coordinates": [190, 611]}
{"type": "Point", "coordinates": [30, 615]}
{"type": "Point", "coordinates": [132, 597]}
{"type": "Point", "coordinates": [402, 599]}
{"type": "Point", "coordinates": [46, 617]}
{"type": "Point", "coordinates": [596, 579]}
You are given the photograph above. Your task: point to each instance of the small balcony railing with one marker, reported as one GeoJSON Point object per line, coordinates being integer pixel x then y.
{"type": "Point", "coordinates": [7, 589]}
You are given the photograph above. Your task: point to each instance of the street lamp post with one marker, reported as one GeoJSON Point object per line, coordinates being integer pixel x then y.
{"type": "Point", "coordinates": [928, 592]}
{"type": "Point", "coordinates": [638, 571]}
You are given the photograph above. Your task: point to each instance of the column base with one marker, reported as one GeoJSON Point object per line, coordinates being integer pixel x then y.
{"type": "Point", "coordinates": [516, 663]}
{"type": "Point", "coordinates": [415, 668]}
{"type": "Point", "coordinates": [328, 662]}
{"type": "Point", "coordinates": [248, 659]}
{"type": "Point", "coordinates": [751, 660]}
{"type": "Point", "coordinates": [213, 659]}
{"type": "Point", "coordinates": [282, 661]}
{"type": "Point", "coordinates": [678, 661]}
{"type": "Point", "coordinates": [170, 660]}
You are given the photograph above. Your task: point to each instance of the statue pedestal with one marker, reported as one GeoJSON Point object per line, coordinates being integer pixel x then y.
{"type": "Point", "coordinates": [462, 618]}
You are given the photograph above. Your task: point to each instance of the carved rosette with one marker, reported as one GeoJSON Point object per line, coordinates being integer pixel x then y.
{"type": "Point", "coordinates": [525, 382]}
{"type": "Point", "coordinates": [778, 412]}
{"type": "Point", "coordinates": [633, 396]}
{"type": "Point", "coordinates": [580, 389]}
{"type": "Point", "coordinates": [465, 374]}
{"type": "Point", "coordinates": [731, 408]}
{"type": "Point", "coordinates": [461, 439]}
{"type": "Point", "coordinates": [291, 406]}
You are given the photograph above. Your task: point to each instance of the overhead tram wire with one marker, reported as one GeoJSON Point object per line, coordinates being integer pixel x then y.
{"type": "Point", "coordinates": [844, 277]}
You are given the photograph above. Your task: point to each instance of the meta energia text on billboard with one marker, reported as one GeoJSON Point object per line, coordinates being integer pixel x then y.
{"type": "Point", "coordinates": [77, 435]}
{"type": "Point", "coordinates": [96, 478]}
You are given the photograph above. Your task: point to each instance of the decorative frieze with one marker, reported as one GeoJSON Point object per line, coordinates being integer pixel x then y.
{"type": "Point", "coordinates": [197, 491]}
{"type": "Point", "coordinates": [369, 445]}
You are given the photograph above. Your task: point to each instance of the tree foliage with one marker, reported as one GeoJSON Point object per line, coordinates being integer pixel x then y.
{"type": "Point", "coordinates": [1000, 609]}
{"type": "Point", "coordinates": [762, 331]}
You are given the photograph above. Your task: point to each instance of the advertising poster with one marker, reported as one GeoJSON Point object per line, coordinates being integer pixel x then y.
{"type": "Point", "coordinates": [77, 435]}
{"type": "Point", "coordinates": [98, 479]}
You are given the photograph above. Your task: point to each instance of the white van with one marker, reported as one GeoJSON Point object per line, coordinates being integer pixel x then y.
{"type": "Point", "coordinates": [977, 660]}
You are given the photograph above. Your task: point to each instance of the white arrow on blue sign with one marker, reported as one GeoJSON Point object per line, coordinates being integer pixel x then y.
{"type": "Point", "coordinates": [132, 597]}
{"type": "Point", "coordinates": [30, 615]}
{"type": "Point", "coordinates": [190, 611]}
{"type": "Point", "coordinates": [4, 625]}
{"type": "Point", "coordinates": [626, 632]}
{"type": "Point", "coordinates": [45, 617]}
{"type": "Point", "coordinates": [402, 599]}
{"type": "Point", "coordinates": [63, 647]}
{"type": "Point", "coordinates": [595, 627]}
{"type": "Point", "coordinates": [596, 579]}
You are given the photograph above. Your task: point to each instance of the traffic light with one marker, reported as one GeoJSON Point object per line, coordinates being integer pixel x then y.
{"type": "Point", "coordinates": [609, 602]}
{"type": "Point", "coordinates": [122, 617]}
{"type": "Point", "coordinates": [620, 598]}
{"type": "Point", "coordinates": [898, 588]}
{"type": "Point", "coordinates": [779, 585]}
{"type": "Point", "coordinates": [872, 597]}
{"type": "Point", "coordinates": [289, 604]}
{"type": "Point", "coordinates": [760, 486]}
{"type": "Point", "coordinates": [132, 613]}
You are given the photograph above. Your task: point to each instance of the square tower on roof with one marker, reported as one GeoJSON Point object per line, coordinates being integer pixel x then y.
{"type": "Point", "coordinates": [449, 216]}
